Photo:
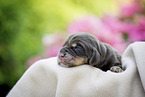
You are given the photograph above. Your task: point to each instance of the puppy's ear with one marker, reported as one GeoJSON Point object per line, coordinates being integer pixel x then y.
{"type": "Point", "coordinates": [95, 58]}
{"type": "Point", "coordinates": [67, 41]}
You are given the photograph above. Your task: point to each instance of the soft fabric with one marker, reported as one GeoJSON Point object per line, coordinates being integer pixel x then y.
{"type": "Point", "coordinates": [46, 78]}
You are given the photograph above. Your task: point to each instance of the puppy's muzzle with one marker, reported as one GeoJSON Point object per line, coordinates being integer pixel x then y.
{"type": "Point", "coordinates": [62, 54]}
{"type": "Point", "coordinates": [67, 58]}
{"type": "Point", "coordinates": [64, 58]}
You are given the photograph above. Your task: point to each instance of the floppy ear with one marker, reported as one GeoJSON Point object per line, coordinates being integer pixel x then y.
{"type": "Point", "coordinates": [95, 58]}
{"type": "Point", "coordinates": [67, 41]}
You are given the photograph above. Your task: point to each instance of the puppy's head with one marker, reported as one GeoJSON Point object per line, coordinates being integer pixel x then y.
{"type": "Point", "coordinates": [79, 49]}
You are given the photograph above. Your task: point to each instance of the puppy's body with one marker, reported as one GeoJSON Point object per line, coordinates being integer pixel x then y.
{"type": "Point", "coordinates": [84, 48]}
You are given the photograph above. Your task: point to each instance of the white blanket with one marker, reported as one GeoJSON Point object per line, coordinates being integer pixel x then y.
{"type": "Point", "coordinates": [46, 78]}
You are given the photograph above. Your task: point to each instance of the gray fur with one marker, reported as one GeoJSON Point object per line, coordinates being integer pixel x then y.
{"type": "Point", "coordinates": [97, 54]}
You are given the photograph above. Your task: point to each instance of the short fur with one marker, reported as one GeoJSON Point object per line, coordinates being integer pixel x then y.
{"type": "Point", "coordinates": [84, 48]}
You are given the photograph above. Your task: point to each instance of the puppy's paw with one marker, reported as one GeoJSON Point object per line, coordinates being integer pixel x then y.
{"type": "Point", "coordinates": [116, 69]}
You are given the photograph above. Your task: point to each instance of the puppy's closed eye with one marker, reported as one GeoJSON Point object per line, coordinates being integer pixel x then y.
{"type": "Point", "coordinates": [80, 51]}
{"type": "Point", "coordinates": [83, 48]}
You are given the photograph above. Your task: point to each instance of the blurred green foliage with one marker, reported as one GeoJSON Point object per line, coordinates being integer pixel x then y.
{"type": "Point", "coordinates": [24, 22]}
{"type": "Point", "coordinates": [19, 38]}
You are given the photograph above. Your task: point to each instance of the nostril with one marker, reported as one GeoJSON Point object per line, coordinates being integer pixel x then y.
{"type": "Point", "coordinates": [62, 55]}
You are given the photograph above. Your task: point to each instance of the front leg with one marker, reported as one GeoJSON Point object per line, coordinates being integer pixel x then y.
{"type": "Point", "coordinates": [116, 69]}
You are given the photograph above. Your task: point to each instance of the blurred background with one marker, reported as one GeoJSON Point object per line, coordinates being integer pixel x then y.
{"type": "Point", "coordinates": [31, 30]}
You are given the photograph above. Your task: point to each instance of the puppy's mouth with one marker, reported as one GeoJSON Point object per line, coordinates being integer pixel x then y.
{"type": "Point", "coordinates": [66, 59]}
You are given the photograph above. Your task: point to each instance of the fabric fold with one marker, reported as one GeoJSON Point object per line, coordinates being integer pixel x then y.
{"type": "Point", "coordinates": [46, 78]}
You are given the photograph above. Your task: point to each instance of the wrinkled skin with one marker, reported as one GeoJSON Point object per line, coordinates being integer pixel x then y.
{"type": "Point", "coordinates": [84, 48]}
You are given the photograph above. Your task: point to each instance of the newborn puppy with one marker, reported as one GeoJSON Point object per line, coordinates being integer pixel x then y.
{"type": "Point", "coordinates": [84, 48]}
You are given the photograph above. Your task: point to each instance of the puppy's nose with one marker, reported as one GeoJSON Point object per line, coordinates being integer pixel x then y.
{"type": "Point", "coordinates": [61, 55]}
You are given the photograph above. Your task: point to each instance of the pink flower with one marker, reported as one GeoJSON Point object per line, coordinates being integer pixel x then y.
{"type": "Point", "coordinates": [105, 30]}
{"type": "Point", "coordinates": [53, 50]}
{"type": "Point", "coordinates": [112, 23]}
{"type": "Point", "coordinates": [52, 43]}
{"type": "Point", "coordinates": [88, 23]}
{"type": "Point", "coordinates": [134, 29]}
{"type": "Point", "coordinates": [137, 33]}
{"type": "Point", "coordinates": [131, 9]}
